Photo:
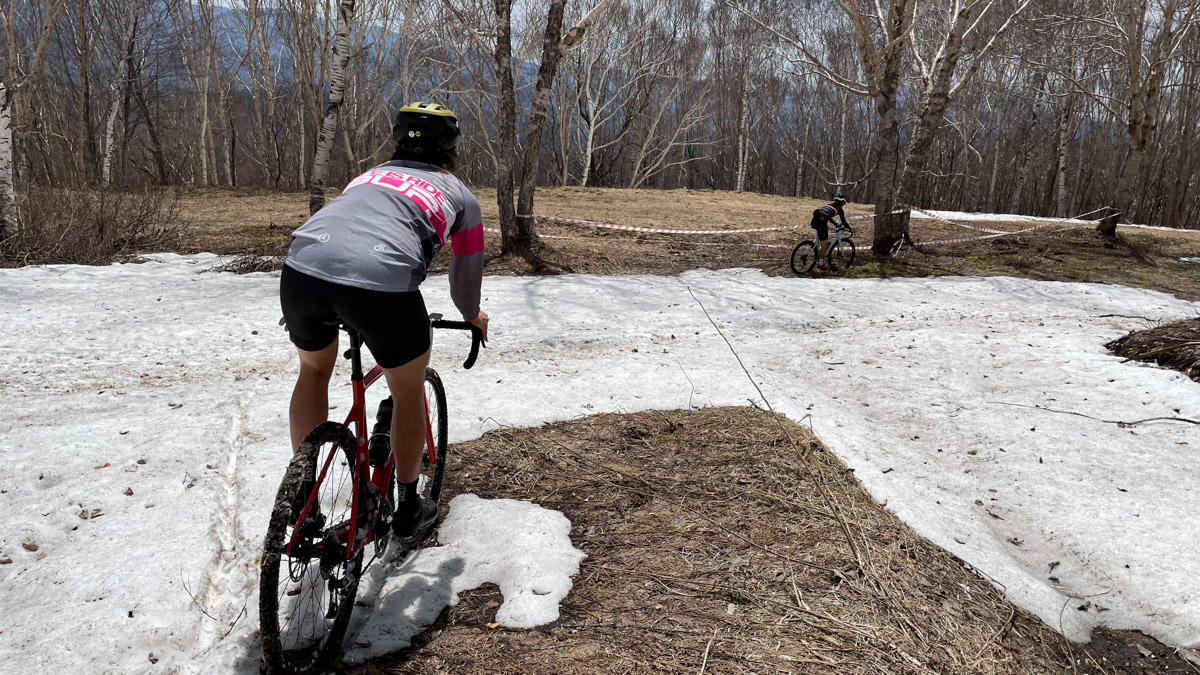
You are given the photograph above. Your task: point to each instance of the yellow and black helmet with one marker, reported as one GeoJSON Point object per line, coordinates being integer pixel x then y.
{"type": "Point", "coordinates": [426, 129]}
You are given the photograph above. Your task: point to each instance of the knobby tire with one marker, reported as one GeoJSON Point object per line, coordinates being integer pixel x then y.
{"type": "Point", "coordinates": [328, 437]}
{"type": "Point", "coordinates": [804, 256]}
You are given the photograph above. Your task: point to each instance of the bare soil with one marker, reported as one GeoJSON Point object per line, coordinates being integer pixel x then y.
{"type": "Point", "coordinates": [1174, 345]}
{"type": "Point", "coordinates": [257, 223]}
{"type": "Point", "coordinates": [718, 542]}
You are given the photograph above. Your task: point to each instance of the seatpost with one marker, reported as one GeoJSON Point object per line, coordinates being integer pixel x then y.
{"type": "Point", "coordinates": [355, 356]}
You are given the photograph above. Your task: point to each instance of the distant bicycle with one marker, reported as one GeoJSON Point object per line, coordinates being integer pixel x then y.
{"type": "Point", "coordinates": [839, 255]}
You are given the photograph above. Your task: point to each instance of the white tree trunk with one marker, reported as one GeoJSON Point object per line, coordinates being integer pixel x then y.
{"type": "Point", "coordinates": [109, 137]}
{"type": "Point", "coordinates": [9, 226]}
{"type": "Point", "coordinates": [302, 157]}
{"type": "Point", "coordinates": [1060, 178]}
{"type": "Point", "coordinates": [337, 90]}
{"type": "Point", "coordinates": [841, 167]}
{"type": "Point", "coordinates": [743, 136]}
{"type": "Point", "coordinates": [117, 89]}
{"type": "Point", "coordinates": [589, 145]}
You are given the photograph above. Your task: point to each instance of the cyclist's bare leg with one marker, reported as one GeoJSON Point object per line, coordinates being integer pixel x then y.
{"type": "Point", "coordinates": [310, 398]}
{"type": "Point", "coordinates": [824, 248]}
{"type": "Point", "coordinates": [407, 384]}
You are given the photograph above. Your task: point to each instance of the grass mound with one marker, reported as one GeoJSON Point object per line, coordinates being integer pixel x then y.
{"type": "Point", "coordinates": [719, 541]}
{"type": "Point", "coordinates": [1172, 345]}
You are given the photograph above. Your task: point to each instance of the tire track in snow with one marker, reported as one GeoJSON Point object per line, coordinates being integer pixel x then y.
{"type": "Point", "coordinates": [230, 584]}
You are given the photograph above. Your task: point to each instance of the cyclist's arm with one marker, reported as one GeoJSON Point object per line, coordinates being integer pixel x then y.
{"type": "Point", "coordinates": [842, 213]}
{"type": "Point", "coordinates": [466, 267]}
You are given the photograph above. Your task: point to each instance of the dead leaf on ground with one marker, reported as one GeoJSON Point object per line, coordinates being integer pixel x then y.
{"type": "Point", "coordinates": [128, 492]}
{"type": "Point", "coordinates": [29, 546]}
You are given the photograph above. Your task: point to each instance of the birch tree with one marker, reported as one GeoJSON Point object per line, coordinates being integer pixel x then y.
{"type": "Point", "coordinates": [516, 225]}
{"type": "Point", "coordinates": [118, 86]}
{"type": "Point", "coordinates": [13, 83]}
{"type": "Point", "coordinates": [333, 105]}
{"type": "Point", "coordinates": [957, 23]}
{"type": "Point", "coordinates": [1150, 35]}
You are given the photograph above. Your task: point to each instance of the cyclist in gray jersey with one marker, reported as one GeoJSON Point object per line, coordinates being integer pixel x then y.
{"type": "Point", "coordinates": [360, 261]}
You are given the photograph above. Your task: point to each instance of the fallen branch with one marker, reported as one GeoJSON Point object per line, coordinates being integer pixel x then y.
{"type": "Point", "coordinates": [1120, 423]}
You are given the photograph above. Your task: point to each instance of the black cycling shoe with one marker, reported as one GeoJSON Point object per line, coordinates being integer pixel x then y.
{"type": "Point", "coordinates": [406, 526]}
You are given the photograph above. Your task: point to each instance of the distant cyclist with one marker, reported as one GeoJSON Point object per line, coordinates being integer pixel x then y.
{"type": "Point", "coordinates": [820, 222]}
{"type": "Point", "coordinates": [361, 260]}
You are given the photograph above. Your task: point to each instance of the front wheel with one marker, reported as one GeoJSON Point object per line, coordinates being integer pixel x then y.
{"type": "Point", "coordinates": [307, 585]}
{"type": "Point", "coordinates": [433, 464]}
{"type": "Point", "coordinates": [804, 256]}
{"type": "Point", "coordinates": [841, 255]}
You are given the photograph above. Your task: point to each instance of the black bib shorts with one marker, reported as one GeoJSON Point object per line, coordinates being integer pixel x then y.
{"type": "Point", "coordinates": [394, 326]}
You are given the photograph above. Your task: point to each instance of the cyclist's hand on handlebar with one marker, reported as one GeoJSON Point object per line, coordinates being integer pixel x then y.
{"type": "Point", "coordinates": [481, 322]}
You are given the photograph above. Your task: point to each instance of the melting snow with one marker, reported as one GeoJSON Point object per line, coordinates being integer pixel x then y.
{"type": "Point", "coordinates": [907, 380]}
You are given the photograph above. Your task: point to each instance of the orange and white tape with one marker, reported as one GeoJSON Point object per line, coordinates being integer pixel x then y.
{"type": "Point", "coordinates": [1069, 222]}
{"type": "Point", "coordinates": [660, 230]}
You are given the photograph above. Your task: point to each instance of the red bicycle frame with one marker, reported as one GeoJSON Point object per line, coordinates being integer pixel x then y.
{"type": "Point", "coordinates": [357, 419]}
{"type": "Point", "coordinates": [378, 476]}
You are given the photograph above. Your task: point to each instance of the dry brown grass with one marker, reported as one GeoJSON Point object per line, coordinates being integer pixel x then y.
{"type": "Point", "coordinates": [717, 543]}
{"type": "Point", "coordinates": [91, 228]}
{"type": "Point", "coordinates": [1174, 345]}
{"type": "Point", "coordinates": [260, 224]}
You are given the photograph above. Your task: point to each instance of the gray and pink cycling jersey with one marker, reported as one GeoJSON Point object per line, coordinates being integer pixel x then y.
{"type": "Point", "coordinates": [382, 232]}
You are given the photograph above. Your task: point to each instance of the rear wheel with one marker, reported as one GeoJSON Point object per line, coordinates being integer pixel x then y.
{"type": "Point", "coordinates": [307, 585]}
{"type": "Point", "coordinates": [804, 256]}
{"type": "Point", "coordinates": [841, 254]}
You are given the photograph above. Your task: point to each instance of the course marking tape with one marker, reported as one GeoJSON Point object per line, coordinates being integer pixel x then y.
{"type": "Point", "coordinates": [660, 230]}
{"type": "Point", "coordinates": [1044, 224]}
{"type": "Point", "coordinates": [1070, 225]}
{"type": "Point", "coordinates": [990, 233]}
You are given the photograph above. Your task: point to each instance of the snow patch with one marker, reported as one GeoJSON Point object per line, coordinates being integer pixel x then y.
{"type": "Point", "coordinates": [905, 379]}
{"type": "Point", "coordinates": [523, 548]}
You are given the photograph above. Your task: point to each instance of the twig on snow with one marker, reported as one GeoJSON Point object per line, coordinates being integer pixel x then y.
{"type": "Point", "coordinates": [689, 379]}
{"type": "Point", "coordinates": [193, 597]}
{"type": "Point", "coordinates": [1122, 423]}
{"type": "Point", "coordinates": [1128, 316]}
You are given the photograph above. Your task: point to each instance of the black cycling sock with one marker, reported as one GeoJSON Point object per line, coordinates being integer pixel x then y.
{"type": "Point", "coordinates": [407, 499]}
